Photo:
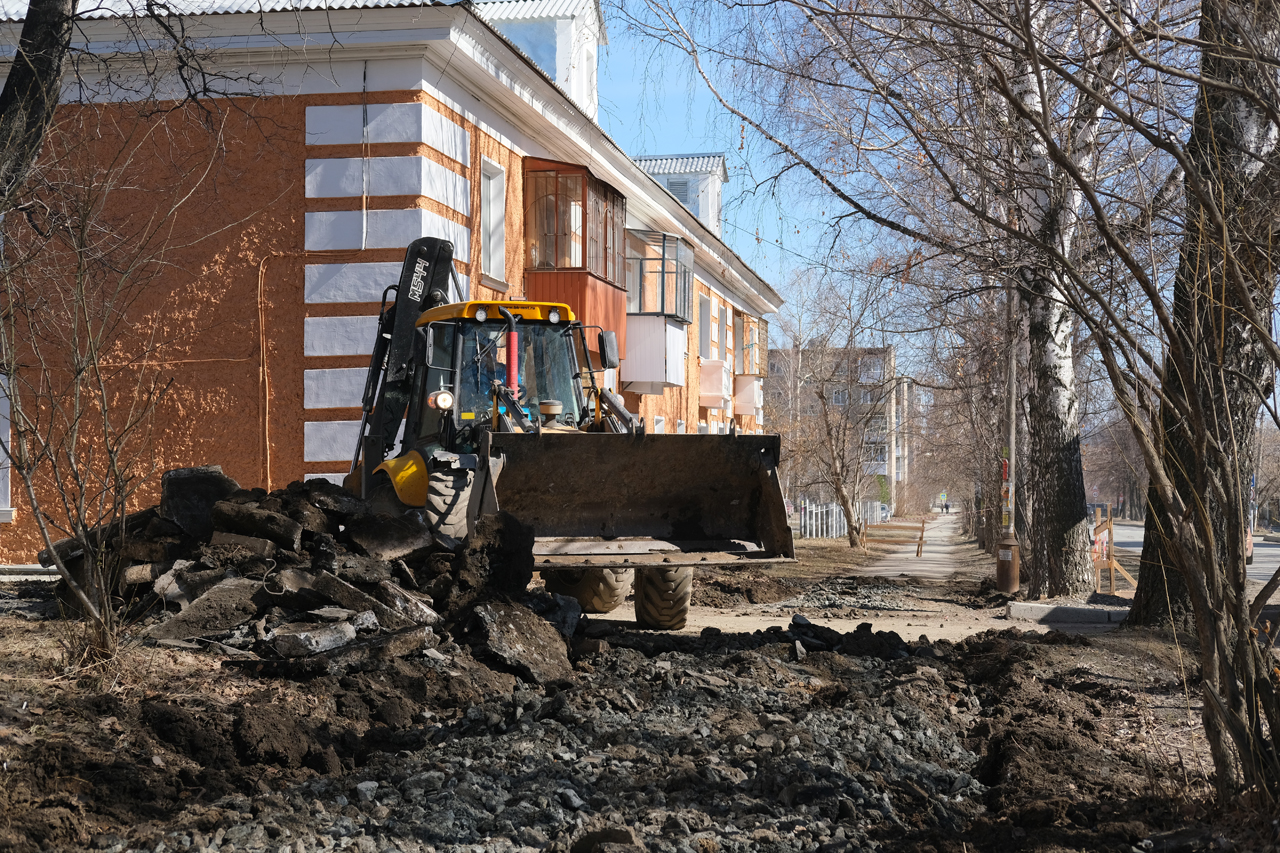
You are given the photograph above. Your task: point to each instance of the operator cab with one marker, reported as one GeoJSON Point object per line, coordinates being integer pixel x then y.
{"type": "Point", "coordinates": [531, 349]}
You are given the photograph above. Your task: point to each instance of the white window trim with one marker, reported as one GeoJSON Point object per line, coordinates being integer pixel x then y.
{"type": "Point", "coordinates": [493, 237]}
{"type": "Point", "coordinates": [704, 327]}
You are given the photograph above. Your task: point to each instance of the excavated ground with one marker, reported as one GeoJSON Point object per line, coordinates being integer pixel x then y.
{"type": "Point", "coordinates": [798, 737]}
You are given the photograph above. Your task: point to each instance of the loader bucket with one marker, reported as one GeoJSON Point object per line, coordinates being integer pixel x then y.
{"type": "Point", "coordinates": [598, 493]}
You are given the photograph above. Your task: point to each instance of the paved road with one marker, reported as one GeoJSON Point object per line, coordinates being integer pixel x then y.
{"type": "Point", "coordinates": [1266, 555]}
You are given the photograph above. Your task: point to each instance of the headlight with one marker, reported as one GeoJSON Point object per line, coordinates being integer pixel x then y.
{"type": "Point", "coordinates": [481, 315]}
{"type": "Point", "coordinates": [554, 315]}
{"type": "Point", "coordinates": [440, 399]}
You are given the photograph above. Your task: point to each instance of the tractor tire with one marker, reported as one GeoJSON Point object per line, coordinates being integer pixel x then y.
{"type": "Point", "coordinates": [448, 493]}
{"type": "Point", "coordinates": [662, 597]}
{"type": "Point", "coordinates": [597, 590]}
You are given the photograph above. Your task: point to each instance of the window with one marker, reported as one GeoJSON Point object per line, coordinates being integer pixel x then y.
{"type": "Point", "coordinates": [724, 336]}
{"type": "Point", "coordinates": [659, 275]}
{"type": "Point", "coordinates": [840, 398]}
{"type": "Point", "coordinates": [704, 327]}
{"type": "Point", "coordinates": [872, 369]}
{"type": "Point", "coordinates": [493, 220]}
{"type": "Point", "coordinates": [738, 348]}
{"type": "Point", "coordinates": [879, 453]}
{"type": "Point", "coordinates": [572, 221]}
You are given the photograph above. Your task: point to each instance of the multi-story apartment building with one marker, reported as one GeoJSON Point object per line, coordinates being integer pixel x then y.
{"type": "Point", "coordinates": [869, 407]}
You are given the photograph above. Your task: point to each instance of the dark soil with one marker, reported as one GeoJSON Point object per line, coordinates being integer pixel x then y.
{"type": "Point", "coordinates": [1044, 742]}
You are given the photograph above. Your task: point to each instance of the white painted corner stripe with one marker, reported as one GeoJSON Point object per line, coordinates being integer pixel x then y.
{"type": "Point", "coordinates": [412, 122]}
{"type": "Point", "coordinates": [383, 229]}
{"type": "Point", "coordinates": [338, 335]}
{"type": "Point", "coordinates": [334, 388]}
{"type": "Point", "coordinates": [348, 282]}
{"type": "Point", "coordinates": [329, 441]}
{"type": "Point", "coordinates": [346, 177]}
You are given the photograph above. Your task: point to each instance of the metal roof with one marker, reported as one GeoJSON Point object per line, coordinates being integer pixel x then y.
{"type": "Point", "coordinates": [16, 10]}
{"type": "Point", "coordinates": [521, 10]}
{"type": "Point", "coordinates": [496, 10]}
{"type": "Point", "coordinates": [684, 164]}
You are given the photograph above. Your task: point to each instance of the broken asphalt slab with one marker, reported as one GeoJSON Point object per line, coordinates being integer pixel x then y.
{"type": "Point", "coordinates": [224, 607]}
{"type": "Point", "coordinates": [521, 640]}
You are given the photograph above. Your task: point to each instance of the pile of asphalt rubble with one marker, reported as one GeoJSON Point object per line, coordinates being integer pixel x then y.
{"type": "Point", "coordinates": [532, 726]}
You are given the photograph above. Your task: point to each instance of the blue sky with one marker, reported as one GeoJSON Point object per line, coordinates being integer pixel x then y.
{"type": "Point", "coordinates": [652, 103]}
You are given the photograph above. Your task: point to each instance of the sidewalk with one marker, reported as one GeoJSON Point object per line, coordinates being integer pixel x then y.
{"type": "Point", "coordinates": [938, 561]}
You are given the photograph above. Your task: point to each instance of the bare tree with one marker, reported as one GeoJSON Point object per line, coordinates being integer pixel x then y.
{"type": "Point", "coordinates": [76, 260]}
{"type": "Point", "coordinates": [932, 119]}
{"type": "Point", "coordinates": [1127, 157]}
{"type": "Point", "coordinates": [830, 397]}
{"type": "Point", "coordinates": [82, 283]}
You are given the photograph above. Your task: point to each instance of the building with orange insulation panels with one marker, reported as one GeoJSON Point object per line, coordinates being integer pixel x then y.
{"type": "Point", "coordinates": [356, 127]}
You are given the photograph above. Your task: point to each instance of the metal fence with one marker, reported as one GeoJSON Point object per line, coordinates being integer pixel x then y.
{"type": "Point", "coordinates": [819, 521]}
{"type": "Point", "coordinates": [827, 521]}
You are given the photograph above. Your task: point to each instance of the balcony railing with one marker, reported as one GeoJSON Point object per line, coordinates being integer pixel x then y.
{"type": "Point", "coordinates": [659, 275]}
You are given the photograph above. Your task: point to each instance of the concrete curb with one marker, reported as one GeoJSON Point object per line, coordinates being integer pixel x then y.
{"type": "Point", "coordinates": [1030, 612]}
{"type": "Point", "coordinates": [24, 571]}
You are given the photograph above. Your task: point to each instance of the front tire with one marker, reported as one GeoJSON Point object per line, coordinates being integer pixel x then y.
{"type": "Point", "coordinates": [448, 493]}
{"type": "Point", "coordinates": [662, 597]}
{"type": "Point", "coordinates": [597, 590]}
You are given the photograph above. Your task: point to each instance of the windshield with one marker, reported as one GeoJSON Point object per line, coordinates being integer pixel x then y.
{"type": "Point", "coordinates": [545, 368]}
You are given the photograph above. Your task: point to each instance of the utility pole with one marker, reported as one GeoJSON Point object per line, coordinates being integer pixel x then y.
{"type": "Point", "coordinates": [1007, 563]}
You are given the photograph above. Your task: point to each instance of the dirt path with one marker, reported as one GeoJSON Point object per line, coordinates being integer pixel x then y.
{"type": "Point", "coordinates": [894, 590]}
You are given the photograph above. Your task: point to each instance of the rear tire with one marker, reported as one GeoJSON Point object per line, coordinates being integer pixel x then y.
{"type": "Point", "coordinates": [597, 590]}
{"type": "Point", "coordinates": [662, 597]}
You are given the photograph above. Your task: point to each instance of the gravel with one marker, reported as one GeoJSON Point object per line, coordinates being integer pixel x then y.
{"type": "Point", "coordinates": [725, 744]}
{"type": "Point", "coordinates": [850, 595]}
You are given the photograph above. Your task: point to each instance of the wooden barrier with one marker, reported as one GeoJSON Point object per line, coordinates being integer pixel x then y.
{"type": "Point", "coordinates": [919, 541]}
{"type": "Point", "coordinates": [1104, 552]}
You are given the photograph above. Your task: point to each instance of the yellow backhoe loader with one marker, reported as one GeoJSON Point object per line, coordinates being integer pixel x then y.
{"type": "Point", "coordinates": [495, 406]}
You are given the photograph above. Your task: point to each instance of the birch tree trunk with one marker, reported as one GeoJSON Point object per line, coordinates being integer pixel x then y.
{"type": "Point", "coordinates": [1059, 559]}
{"type": "Point", "coordinates": [1059, 538]}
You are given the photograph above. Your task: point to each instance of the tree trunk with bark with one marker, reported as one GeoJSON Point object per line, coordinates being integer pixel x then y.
{"type": "Point", "coordinates": [1162, 599]}
{"type": "Point", "coordinates": [32, 90]}
{"type": "Point", "coordinates": [1219, 367]}
{"type": "Point", "coordinates": [1059, 538]}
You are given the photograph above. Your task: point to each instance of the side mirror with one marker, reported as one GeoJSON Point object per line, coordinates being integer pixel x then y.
{"type": "Point", "coordinates": [431, 336]}
{"type": "Point", "coordinates": [609, 350]}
